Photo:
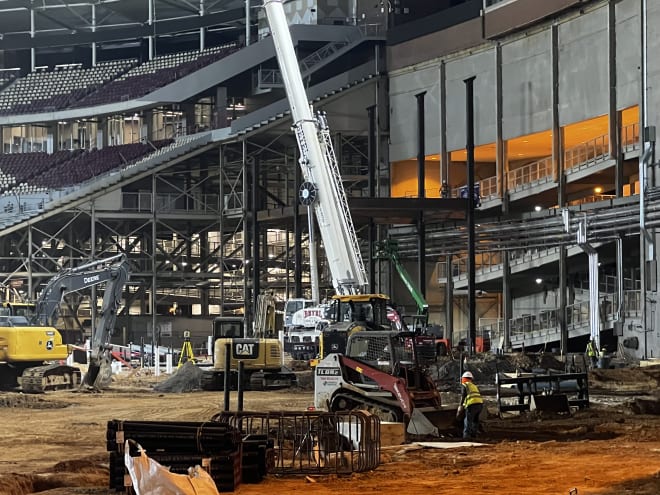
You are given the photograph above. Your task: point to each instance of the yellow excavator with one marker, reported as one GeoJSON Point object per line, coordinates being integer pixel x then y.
{"type": "Point", "coordinates": [259, 350]}
{"type": "Point", "coordinates": [32, 353]}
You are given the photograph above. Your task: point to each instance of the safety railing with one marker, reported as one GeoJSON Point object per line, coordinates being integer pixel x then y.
{"type": "Point", "coordinates": [141, 201]}
{"type": "Point", "coordinates": [520, 256]}
{"type": "Point", "coordinates": [587, 154]}
{"type": "Point", "coordinates": [577, 315]}
{"type": "Point", "coordinates": [484, 263]}
{"type": "Point", "coordinates": [630, 138]}
{"type": "Point", "coordinates": [594, 198]}
{"type": "Point", "coordinates": [488, 188]}
{"type": "Point", "coordinates": [532, 173]}
{"type": "Point", "coordinates": [428, 193]}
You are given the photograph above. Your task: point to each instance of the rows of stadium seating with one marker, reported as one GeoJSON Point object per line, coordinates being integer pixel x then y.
{"type": "Point", "coordinates": [17, 168]}
{"type": "Point", "coordinates": [7, 76]}
{"type": "Point", "coordinates": [154, 74]}
{"type": "Point", "coordinates": [40, 171]}
{"type": "Point", "coordinates": [107, 82]}
{"type": "Point", "coordinates": [44, 91]}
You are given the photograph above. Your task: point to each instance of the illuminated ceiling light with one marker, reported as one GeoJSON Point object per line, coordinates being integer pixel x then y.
{"type": "Point", "coordinates": [598, 189]}
{"type": "Point", "coordinates": [539, 281]}
{"type": "Point", "coordinates": [537, 208]}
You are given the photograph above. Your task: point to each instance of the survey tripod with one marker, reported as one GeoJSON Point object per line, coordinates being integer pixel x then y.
{"type": "Point", "coordinates": [186, 350]}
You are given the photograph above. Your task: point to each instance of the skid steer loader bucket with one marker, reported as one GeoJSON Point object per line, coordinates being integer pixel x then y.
{"type": "Point", "coordinates": [431, 421]}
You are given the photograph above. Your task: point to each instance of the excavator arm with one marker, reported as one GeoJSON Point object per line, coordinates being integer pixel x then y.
{"type": "Point", "coordinates": [117, 276]}
{"type": "Point", "coordinates": [388, 250]}
{"type": "Point", "coordinates": [72, 280]}
{"type": "Point", "coordinates": [114, 272]}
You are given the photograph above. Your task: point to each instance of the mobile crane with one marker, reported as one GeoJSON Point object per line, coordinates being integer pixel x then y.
{"type": "Point", "coordinates": [323, 188]}
{"type": "Point", "coordinates": [26, 344]}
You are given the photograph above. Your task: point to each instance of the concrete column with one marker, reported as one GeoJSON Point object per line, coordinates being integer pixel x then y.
{"type": "Point", "coordinates": [189, 115]}
{"type": "Point", "coordinates": [149, 123]}
{"type": "Point", "coordinates": [220, 113]}
{"type": "Point", "coordinates": [104, 128]}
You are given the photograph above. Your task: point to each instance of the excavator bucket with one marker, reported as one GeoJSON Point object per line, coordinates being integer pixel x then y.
{"type": "Point", "coordinates": [99, 374]}
{"type": "Point", "coordinates": [428, 421]}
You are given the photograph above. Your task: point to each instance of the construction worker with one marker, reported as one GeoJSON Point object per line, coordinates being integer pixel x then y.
{"type": "Point", "coordinates": [591, 353]}
{"type": "Point", "coordinates": [471, 404]}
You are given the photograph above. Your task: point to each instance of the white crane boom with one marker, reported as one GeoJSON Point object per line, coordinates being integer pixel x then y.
{"type": "Point", "coordinates": [323, 183]}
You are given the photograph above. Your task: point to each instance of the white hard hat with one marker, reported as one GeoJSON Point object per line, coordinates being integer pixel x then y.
{"type": "Point", "coordinates": [467, 374]}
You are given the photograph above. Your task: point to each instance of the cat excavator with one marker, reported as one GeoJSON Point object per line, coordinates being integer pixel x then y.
{"type": "Point", "coordinates": [258, 348]}
{"type": "Point", "coordinates": [31, 348]}
{"type": "Point", "coordinates": [357, 314]}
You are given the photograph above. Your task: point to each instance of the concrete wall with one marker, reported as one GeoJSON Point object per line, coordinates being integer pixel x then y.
{"type": "Point", "coordinates": [403, 111]}
{"type": "Point", "coordinates": [628, 43]}
{"type": "Point", "coordinates": [482, 65]}
{"type": "Point", "coordinates": [583, 67]}
{"type": "Point", "coordinates": [583, 51]}
{"type": "Point", "coordinates": [653, 23]}
{"type": "Point", "coordinates": [527, 95]}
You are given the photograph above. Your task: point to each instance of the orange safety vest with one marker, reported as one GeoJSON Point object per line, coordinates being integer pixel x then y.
{"type": "Point", "coordinates": [473, 395]}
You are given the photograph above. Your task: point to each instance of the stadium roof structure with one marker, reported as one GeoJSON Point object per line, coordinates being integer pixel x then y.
{"type": "Point", "coordinates": [45, 23]}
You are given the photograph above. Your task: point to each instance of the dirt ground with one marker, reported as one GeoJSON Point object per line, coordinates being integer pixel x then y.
{"type": "Point", "coordinates": [55, 444]}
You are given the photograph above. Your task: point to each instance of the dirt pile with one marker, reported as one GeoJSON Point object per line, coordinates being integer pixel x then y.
{"type": "Point", "coordinates": [626, 380]}
{"type": "Point", "coordinates": [185, 379]}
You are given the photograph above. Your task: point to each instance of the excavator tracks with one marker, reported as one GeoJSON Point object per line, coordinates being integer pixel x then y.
{"type": "Point", "coordinates": [42, 379]}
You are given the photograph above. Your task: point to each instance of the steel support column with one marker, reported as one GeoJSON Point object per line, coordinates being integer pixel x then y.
{"type": "Point", "coordinates": [247, 212]}
{"type": "Point", "coordinates": [256, 244]}
{"type": "Point", "coordinates": [154, 273]}
{"type": "Point", "coordinates": [421, 191]}
{"type": "Point", "coordinates": [221, 227]}
{"type": "Point", "coordinates": [472, 303]}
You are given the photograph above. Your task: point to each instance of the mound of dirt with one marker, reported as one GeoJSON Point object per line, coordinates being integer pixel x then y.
{"type": "Point", "coordinates": [185, 379]}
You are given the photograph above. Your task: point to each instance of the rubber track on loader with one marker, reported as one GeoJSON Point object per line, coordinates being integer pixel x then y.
{"type": "Point", "coordinates": [42, 379]}
{"type": "Point", "coordinates": [388, 413]}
